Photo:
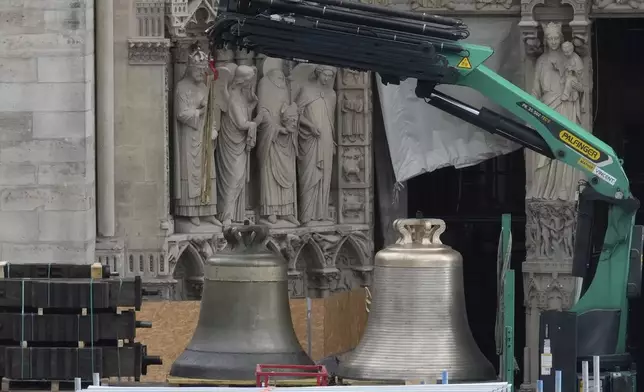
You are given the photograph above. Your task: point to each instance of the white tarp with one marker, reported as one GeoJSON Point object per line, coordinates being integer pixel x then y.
{"type": "Point", "coordinates": [422, 138]}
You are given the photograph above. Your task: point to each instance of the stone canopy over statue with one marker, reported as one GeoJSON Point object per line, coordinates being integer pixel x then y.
{"type": "Point", "coordinates": [279, 132]}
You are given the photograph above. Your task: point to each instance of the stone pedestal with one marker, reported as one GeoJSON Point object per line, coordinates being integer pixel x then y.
{"type": "Point", "coordinates": [47, 140]}
{"type": "Point", "coordinates": [547, 280]}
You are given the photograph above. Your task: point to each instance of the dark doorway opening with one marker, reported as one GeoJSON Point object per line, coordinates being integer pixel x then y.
{"type": "Point", "coordinates": [471, 201]}
{"type": "Point", "coordinates": [618, 107]}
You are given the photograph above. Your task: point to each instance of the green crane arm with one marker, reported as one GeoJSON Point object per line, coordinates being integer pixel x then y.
{"type": "Point", "coordinates": [400, 44]}
{"type": "Point", "coordinates": [567, 141]}
{"type": "Point", "coordinates": [606, 180]}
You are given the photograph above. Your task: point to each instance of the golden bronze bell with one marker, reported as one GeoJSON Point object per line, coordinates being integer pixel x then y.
{"type": "Point", "coordinates": [245, 317]}
{"type": "Point", "coordinates": [417, 325]}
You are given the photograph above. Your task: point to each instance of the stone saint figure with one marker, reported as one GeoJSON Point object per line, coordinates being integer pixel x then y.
{"type": "Point", "coordinates": [277, 122]}
{"type": "Point", "coordinates": [551, 179]}
{"type": "Point", "coordinates": [237, 136]}
{"type": "Point", "coordinates": [316, 147]}
{"type": "Point", "coordinates": [196, 196]}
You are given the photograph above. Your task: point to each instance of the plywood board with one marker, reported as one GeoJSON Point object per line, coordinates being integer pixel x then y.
{"type": "Point", "coordinates": [337, 323]}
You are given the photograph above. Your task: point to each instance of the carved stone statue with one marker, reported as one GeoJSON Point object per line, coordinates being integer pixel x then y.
{"type": "Point", "coordinates": [551, 179]}
{"type": "Point", "coordinates": [195, 191]}
{"type": "Point", "coordinates": [236, 139]}
{"type": "Point", "coordinates": [316, 100]}
{"type": "Point", "coordinates": [277, 121]}
{"type": "Point", "coordinates": [352, 120]}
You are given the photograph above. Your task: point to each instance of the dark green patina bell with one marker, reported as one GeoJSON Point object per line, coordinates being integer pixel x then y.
{"type": "Point", "coordinates": [245, 317]}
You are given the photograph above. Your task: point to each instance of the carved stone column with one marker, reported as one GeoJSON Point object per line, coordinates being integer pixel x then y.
{"type": "Point", "coordinates": [353, 138]}
{"type": "Point", "coordinates": [551, 210]}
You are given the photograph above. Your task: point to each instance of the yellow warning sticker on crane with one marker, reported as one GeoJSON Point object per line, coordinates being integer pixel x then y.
{"type": "Point", "coordinates": [465, 63]}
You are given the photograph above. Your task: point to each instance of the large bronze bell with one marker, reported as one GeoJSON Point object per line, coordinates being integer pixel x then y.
{"type": "Point", "coordinates": [245, 318]}
{"type": "Point", "coordinates": [417, 325]}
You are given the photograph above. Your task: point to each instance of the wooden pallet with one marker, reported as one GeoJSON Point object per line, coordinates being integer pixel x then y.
{"type": "Point", "coordinates": [40, 385]}
{"type": "Point", "coordinates": [192, 382]}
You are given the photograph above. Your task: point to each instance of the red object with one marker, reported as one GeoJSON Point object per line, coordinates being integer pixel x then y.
{"type": "Point", "coordinates": [263, 376]}
{"type": "Point", "coordinates": [211, 64]}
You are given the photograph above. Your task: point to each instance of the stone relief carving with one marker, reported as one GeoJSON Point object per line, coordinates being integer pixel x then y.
{"type": "Point", "coordinates": [237, 139]}
{"type": "Point", "coordinates": [550, 229]}
{"type": "Point", "coordinates": [194, 107]}
{"type": "Point", "coordinates": [353, 122]}
{"type": "Point", "coordinates": [316, 100]}
{"type": "Point", "coordinates": [353, 203]}
{"type": "Point", "coordinates": [618, 5]}
{"type": "Point", "coordinates": [277, 120]}
{"type": "Point", "coordinates": [480, 4]}
{"type": "Point", "coordinates": [467, 6]}
{"type": "Point", "coordinates": [545, 291]}
{"type": "Point", "coordinates": [353, 164]}
{"type": "Point", "coordinates": [549, 179]}
{"type": "Point", "coordinates": [148, 51]}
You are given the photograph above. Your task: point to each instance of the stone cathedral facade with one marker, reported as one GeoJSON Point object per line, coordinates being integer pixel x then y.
{"type": "Point", "coordinates": [101, 158]}
{"type": "Point", "coordinates": [166, 226]}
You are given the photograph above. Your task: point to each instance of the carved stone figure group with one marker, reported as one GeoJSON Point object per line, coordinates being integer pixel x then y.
{"type": "Point", "coordinates": [550, 230]}
{"type": "Point", "coordinates": [286, 121]}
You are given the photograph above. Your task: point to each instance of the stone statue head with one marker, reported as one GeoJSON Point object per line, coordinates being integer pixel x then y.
{"type": "Point", "coordinates": [244, 78]}
{"type": "Point", "coordinates": [244, 74]}
{"type": "Point", "coordinates": [324, 74]}
{"type": "Point", "coordinates": [568, 48]}
{"type": "Point", "coordinates": [553, 35]}
{"type": "Point", "coordinates": [289, 117]}
{"type": "Point", "coordinates": [197, 66]}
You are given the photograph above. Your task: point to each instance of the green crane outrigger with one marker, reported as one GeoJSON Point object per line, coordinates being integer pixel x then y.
{"type": "Point", "coordinates": [401, 44]}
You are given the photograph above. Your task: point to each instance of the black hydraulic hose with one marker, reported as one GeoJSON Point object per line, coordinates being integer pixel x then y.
{"type": "Point", "coordinates": [404, 53]}
{"type": "Point", "coordinates": [365, 31]}
{"type": "Point", "coordinates": [441, 20]}
{"type": "Point", "coordinates": [277, 48]}
{"type": "Point", "coordinates": [492, 122]}
{"type": "Point", "coordinates": [335, 14]}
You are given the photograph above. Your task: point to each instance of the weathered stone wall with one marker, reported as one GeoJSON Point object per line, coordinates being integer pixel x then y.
{"type": "Point", "coordinates": [140, 144]}
{"type": "Point", "coordinates": [47, 208]}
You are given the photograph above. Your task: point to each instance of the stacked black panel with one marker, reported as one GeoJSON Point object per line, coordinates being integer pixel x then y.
{"type": "Point", "coordinates": [59, 322]}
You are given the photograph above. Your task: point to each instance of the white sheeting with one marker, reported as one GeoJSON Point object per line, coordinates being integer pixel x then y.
{"type": "Point", "coordinates": [422, 138]}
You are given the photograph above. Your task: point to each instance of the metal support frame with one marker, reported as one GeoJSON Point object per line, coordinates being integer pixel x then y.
{"type": "Point", "coordinates": [318, 372]}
